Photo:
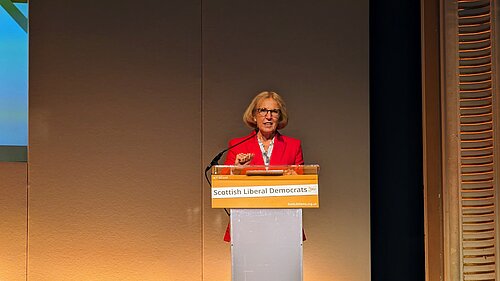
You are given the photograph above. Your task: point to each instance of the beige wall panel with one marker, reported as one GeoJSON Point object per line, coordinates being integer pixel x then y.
{"type": "Point", "coordinates": [13, 216]}
{"type": "Point", "coordinates": [316, 56]}
{"type": "Point", "coordinates": [115, 141]}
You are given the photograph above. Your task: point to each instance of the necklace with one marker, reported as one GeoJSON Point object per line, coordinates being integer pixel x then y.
{"type": "Point", "coordinates": [266, 154]}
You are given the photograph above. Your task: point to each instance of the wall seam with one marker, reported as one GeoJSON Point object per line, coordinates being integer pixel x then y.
{"type": "Point", "coordinates": [202, 193]}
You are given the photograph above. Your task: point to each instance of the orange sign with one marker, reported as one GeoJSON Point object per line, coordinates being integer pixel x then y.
{"type": "Point", "coordinates": [286, 191]}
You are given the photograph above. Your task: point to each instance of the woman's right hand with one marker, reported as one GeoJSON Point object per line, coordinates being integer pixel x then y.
{"type": "Point", "coordinates": [243, 159]}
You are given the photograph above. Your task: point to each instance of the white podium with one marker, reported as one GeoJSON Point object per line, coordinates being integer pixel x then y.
{"type": "Point", "coordinates": [266, 217]}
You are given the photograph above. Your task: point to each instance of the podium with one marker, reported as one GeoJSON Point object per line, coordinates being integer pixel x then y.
{"type": "Point", "coordinates": [266, 217]}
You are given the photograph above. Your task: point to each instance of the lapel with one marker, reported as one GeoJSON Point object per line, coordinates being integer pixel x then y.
{"type": "Point", "coordinates": [278, 150]}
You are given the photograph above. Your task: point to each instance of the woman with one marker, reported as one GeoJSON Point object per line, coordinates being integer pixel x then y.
{"type": "Point", "coordinates": [266, 114]}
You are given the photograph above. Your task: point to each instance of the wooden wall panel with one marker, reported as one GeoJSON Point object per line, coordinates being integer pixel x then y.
{"type": "Point", "coordinates": [469, 123]}
{"type": "Point", "coordinates": [114, 160]}
{"type": "Point", "coordinates": [316, 56]}
{"type": "Point", "coordinates": [13, 222]}
{"type": "Point", "coordinates": [117, 111]}
{"type": "Point", "coordinates": [432, 143]}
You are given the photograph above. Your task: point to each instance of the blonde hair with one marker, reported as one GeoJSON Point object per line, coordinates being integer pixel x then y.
{"type": "Point", "coordinates": [249, 115]}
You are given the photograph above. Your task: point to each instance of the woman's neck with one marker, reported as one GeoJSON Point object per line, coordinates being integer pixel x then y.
{"type": "Point", "coordinates": [265, 137]}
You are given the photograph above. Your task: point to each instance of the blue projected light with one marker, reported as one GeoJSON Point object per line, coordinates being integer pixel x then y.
{"type": "Point", "coordinates": [13, 80]}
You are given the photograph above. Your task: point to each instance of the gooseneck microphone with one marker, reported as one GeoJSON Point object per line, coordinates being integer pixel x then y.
{"type": "Point", "coordinates": [216, 159]}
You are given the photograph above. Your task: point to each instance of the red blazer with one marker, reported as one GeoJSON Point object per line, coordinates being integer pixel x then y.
{"type": "Point", "coordinates": [286, 151]}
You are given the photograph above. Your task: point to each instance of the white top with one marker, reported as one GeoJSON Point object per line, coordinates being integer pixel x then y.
{"type": "Point", "coordinates": [266, 155]}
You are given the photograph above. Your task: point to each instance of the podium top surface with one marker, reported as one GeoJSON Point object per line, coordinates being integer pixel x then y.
{"type": "Point", "coordinates": [261, 170]}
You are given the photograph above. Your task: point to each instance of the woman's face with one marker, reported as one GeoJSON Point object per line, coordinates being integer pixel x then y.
{"type": "Point", "coordinates": [267, 115]}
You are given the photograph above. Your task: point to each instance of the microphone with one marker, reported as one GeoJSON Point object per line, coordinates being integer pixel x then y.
{"type": "Point", "coordinates": [216, 159]}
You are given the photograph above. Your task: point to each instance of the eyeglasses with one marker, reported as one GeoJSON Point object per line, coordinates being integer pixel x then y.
{"type": "Point", "coordinates": [264, 111]}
